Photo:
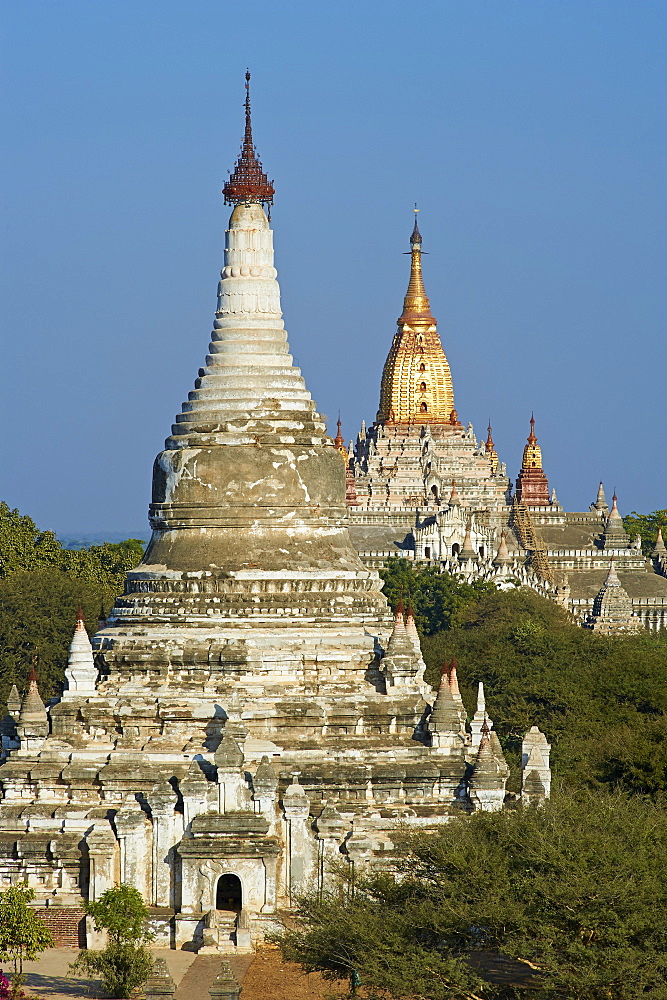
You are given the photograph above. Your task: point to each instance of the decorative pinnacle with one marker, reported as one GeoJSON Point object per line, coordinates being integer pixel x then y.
{"type": "Point", "coordinates": [416, 306]}
{"type": "Point", "coordinates": [531, 437]}
{"type": "Point", "coordinates": [338, 440]}
{"type": "Point", "coordinates": [248, 184]}
{"type": "Point", "coordinates": [416, 237]}
{"type": "Point", "coordinates": [489, 438]}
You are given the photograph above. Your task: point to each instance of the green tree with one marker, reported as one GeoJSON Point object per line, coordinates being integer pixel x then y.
{"type": "Point", "coordinates": [436, 597]}
{"type": "Point", "coordinates": [37, 619]}
{"type": "Point", "coordinates": [602, 701]}
{"type": "Point", "coordinates": [575, 892]}
{"type": "Point", "coordinates": [126, 962]}
{"type": "Point", "coordinates": [647, 526]}
{"type": "Point", "coordinates": [41, 585]}
{"type": "Point", "coordinates": [23, 935]}
{"type": "Point", "coordinates": [22, 545]}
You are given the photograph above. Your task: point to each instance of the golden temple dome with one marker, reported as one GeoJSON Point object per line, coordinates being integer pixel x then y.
{"type": "Point", "coordinates": [416, 381]}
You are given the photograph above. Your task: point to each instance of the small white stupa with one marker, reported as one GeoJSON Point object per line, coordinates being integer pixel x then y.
{"type": "Point", "coordinates": [81, 672]}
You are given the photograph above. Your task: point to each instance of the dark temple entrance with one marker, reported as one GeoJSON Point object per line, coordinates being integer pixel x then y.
{"type": "Point", "coordinates": [229, 894]}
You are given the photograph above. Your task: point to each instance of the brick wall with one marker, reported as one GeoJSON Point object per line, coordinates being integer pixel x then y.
{"type": "Point", "coordinates": [68, 926]}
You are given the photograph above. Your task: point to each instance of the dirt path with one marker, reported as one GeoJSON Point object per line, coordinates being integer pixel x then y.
{"type": "Point", "coordinates": [199, 977]}
{"type": "Point", "coordinates": [269, 978]}
{"type": "Point", "coordinates": [264, 976]}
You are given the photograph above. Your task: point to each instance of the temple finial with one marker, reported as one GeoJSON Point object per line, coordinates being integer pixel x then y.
{"type": "Point", "coordinates": [532, 486]}
{"type": "Point", "coordinates": [490, 448]}
{"type": "Point", "coordinates": [416, 237]}
{"type": "Point", "coordinates": [531, 437]}
{"type": "Point", "coordinates": [248, 184]}
{"type": "Point", "coordinates": [338, 440]}
{"type": "Point", "coordinates": [416, 306]}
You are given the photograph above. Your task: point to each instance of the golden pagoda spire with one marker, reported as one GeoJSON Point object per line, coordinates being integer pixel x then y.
{"type": "Point", "coordinates": [416, 381]}
{"type": "Point", "coordinates": [490, 449]}
{"type": "Point", "coordinates": [416, 306]}
{"type": "Point", "coordinates": [532, 453]}
{"type": "Point", "coordinates": [532, 486]}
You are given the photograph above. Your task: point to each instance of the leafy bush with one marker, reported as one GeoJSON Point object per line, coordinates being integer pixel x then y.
{"type": "Point", "coordinates": [23, 935]}
{"type": "Point", "coordinates": [436, 597]}
{"type": "Point", "coordinates": [126, 962]}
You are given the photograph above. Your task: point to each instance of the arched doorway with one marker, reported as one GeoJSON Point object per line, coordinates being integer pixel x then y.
{"type": "Point", "coordinates": [229, 894]}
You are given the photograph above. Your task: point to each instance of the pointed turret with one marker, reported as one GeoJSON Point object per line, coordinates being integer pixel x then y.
{"type": "Point", "coordinates": [80, 672]}
{"type": "Point", "coordinates": [614, 536]}
{"type": "Point", "coordinates": [600, 504]}
{"type": "Point", "coordinates": [467, 551]}
{"type": "Point", "coordinates": [416, 381]}
{"type": "Point", "coordinates": [14, 703]}
{"type": "Point", "coordinates": [612, 607]}
{"type": "Point", "coordinates": [402, 661]}
{"type": "Point", "coordinates": [659, 550]}
{"type": "Point", "coordinates": [532, 485]}
{"type": "Point", "coordinates": [490, 449]}
{"type": "Point", "coordinates": [535, 767]}
{"type": "Point", "coordinates": [446, 722]}
{"type": "Point", "coordinates": [454, 680]}
{"type": "Point", "coordinates": [454, 498]}
{"type": "Point", "coordinates": [416, 306]}
{"type": "Point", "coordinates": [502, 556]}
{"type": "Point", "coordinates": [411, 628]}
{"type": "Point", "coordinates": [339, 440]}
{"type": "Point", "coordinates": [33, 723]}
{"type": "Point", "coordinates": [489, 775]}
{"type": "Point", "coordinates": [228, 756]}
{"type": "Point", "coordinates": [350, 488]}
{"type": "Point", "coordinates": [248, 184]}
{"type": "Point", "coordinates": [479, 718]}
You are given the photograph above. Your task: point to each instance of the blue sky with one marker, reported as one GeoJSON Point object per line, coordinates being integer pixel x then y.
{"type": "Point", "coordinates": [532, 135]}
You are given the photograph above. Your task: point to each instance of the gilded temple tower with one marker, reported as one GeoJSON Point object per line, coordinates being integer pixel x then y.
{"type": "Point", "coordinates": [416, 381]}
{"type": "Point", "coordinates": [417, 446]}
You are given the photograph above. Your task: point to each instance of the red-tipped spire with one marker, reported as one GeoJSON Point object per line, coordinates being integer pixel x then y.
{"type": "Point", "coordinates": [338, 440]}
{"type": "Point", "coordinates": [248, 183]}
{"type": "Point", "coordinates": [80, 616]}
{"type": "Point", "coordinates": [32, 674]}
{"type": "Point", "coordinates": [489, 438]}
{"type": "Point", "coordinates": [453, 679]}
{"type": "Point", "coordinates": [531, 437]}
{"type": "Point", "coordinates": [444, 669]}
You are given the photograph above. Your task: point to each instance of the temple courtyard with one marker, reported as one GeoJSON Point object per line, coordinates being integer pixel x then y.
{"type": "Point", "coordinates": [261, 975]}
